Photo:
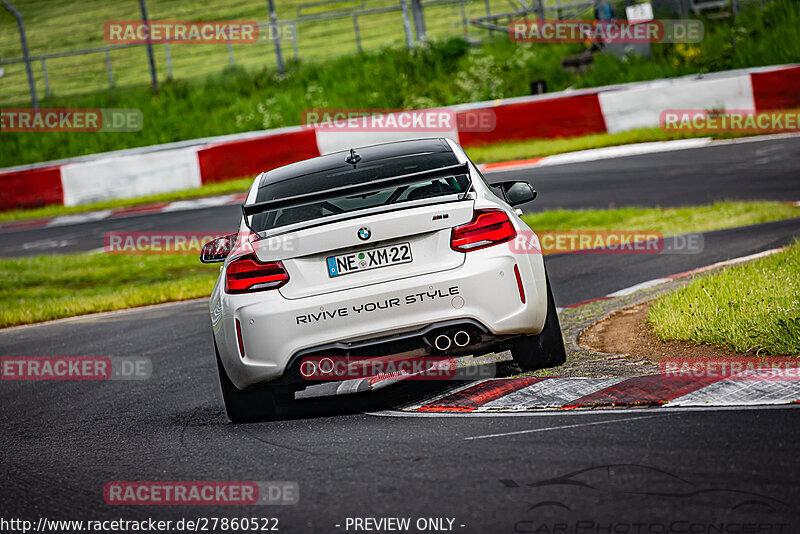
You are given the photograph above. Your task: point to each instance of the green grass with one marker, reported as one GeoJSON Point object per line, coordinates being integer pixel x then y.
{"type": "Point", "coordinates": [50, 287]}
{"type": "Point", "coordinates": [317, 42]}
{"type": "Point", "coordinates": [670, 221]}
{"type": "Point", "coordinates": [240, 185]}
{"type": "Point", "coordinates": [446, 72]}
{"type": "Point", "coordinates": [750, 308]}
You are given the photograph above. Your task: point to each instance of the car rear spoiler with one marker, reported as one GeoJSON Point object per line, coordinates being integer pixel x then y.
{"type": "Point", "coordinates": [357, 189]}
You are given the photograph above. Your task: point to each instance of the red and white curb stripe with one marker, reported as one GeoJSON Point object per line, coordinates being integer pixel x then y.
{"type": "Point", "coordinates": [563, 393]}
{"type": "Point", "coordinates": [658, 281]}
{"type": "Point", "coordinates": [558, 393]}
{"type": "Point", "coordinates": [581, 156]}
{"type": "Point", "coordinates": [92, 216]}
{"type": "Point", "coordinates": [187, 164]}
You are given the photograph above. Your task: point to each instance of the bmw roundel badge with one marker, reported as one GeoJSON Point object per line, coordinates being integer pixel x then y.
{"type": "Point", "coordinates": [364, 233]}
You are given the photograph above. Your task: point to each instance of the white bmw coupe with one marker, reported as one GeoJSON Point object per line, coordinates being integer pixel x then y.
{"type": "Point", "coordinates": [393, 249]}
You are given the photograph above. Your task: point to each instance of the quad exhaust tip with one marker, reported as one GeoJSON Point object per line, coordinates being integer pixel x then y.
{"type": "Point", "coordinates": [461, 339]}
{"type": "Point", "coordinates": [442, 342]}
{"type": "Point", "coordinates": [325, 365]}
{"type": "Point", "coordinates": [308, 368]}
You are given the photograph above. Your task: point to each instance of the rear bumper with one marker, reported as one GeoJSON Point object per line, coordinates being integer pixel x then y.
{"type": "Point", "coordinates": [460, 337]}
{"type": "Point", "coordinates": [482, 292]}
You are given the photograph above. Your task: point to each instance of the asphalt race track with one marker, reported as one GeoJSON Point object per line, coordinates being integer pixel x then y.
{"type": "Point", "coordinates": [602, 471]}
{"type": "Point", "coordinates": [745, 170]}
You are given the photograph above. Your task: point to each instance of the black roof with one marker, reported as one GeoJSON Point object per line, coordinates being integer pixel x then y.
{"type": "Point", "coordinates": [385, 154]}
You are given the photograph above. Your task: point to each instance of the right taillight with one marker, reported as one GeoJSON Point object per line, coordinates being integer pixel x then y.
{"type": "Point", "coordinates": [487, 228]}
{"type": "Point", "coordinates": [247, 274]}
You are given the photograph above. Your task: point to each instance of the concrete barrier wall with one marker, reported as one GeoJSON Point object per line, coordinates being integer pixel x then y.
{"type": "Point", "coordinates": [641, 107]}
{"type": "Point", "coordinates": [130, 176]}
{"type": "Point", "coordinates": [560, 116]}
{"type": "Point", "coordinates": [31, 188]}
{"type": "Point", "coordinates": [777, 89]}
{"type": "Point", "coordinates": [248, 157]}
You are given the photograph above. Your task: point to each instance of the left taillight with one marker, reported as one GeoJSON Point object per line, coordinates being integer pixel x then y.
{"type": "Point", "coordinates": [247, 274]}
{"type": "Point", "coordinates": [487, 228]}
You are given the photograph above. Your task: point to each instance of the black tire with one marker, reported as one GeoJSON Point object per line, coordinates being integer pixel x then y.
{"type": "Point", "coordinates": [264, 403]}
{"type": "Point", "coordinates": [545, 349]}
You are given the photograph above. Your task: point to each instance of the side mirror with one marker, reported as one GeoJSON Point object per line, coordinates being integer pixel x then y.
{"type": "Point", "coordinates": [516, 193]}
{"type": "Point", "coordinates": [217, 250]}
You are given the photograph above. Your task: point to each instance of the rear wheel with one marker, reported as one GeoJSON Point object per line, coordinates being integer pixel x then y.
{"type": "Point", "coordinates": [545, 349]}
{"type": "Point", "coordinates": [264, 403]}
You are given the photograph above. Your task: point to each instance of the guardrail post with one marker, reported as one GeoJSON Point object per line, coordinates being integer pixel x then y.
{"type": "Point", "coordinates": [294, 42]}
{"type": "Point", "coordinates": [153, 76]}
{"type": "Point", "coordinates": [274, 35]}
{"type": "Point", "coordinates": [46, 78]}
{"type": "Point", "coordinates": [407, 24]}
{"type": "Point", "coordinates": [24, 42]}
{"type": "Point", "coordinates": [358, 33]}
{"type": "Point", "coordinates": [419, 21]}
{"type": "Point", "coordinates": [464, 18]}
{"type": "Point", "coordinates": [540, 9]}
{"type": "Point", "coordinates": [110, 71]}
{"type": "Point", "coordinates": [169, 59]}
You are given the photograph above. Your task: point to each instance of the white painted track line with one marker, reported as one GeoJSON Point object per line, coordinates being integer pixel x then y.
{"type": "Point", "coordinates": [563, 427]}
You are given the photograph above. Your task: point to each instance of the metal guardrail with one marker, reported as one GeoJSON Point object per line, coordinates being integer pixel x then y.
{"type": "Point", "coordinates": [363, 23]}
{"type": "Point", "coordinates": [561, 11]}
{"type": "Point", "coordinates": [411, 11]}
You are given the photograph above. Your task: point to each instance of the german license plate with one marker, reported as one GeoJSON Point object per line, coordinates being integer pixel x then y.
{"type": "Point", "coordinates": [365, 260]}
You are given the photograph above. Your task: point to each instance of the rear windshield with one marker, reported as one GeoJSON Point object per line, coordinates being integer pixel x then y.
{"type": "Point", "coordinates": [340, 177]}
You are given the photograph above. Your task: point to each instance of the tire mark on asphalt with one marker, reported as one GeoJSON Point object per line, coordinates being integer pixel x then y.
{"type": "Point", "coordinates": [185, 425]}
{"type": "Point", "coordinates": [284, 447]}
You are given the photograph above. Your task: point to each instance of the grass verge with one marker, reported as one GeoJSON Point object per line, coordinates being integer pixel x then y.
{"type": "Point", "coordinates": [51, 287]}
{"type": "Point", "coordinates": [750, 308]}
{"type": "Point", "coordinates": [672, 221]}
